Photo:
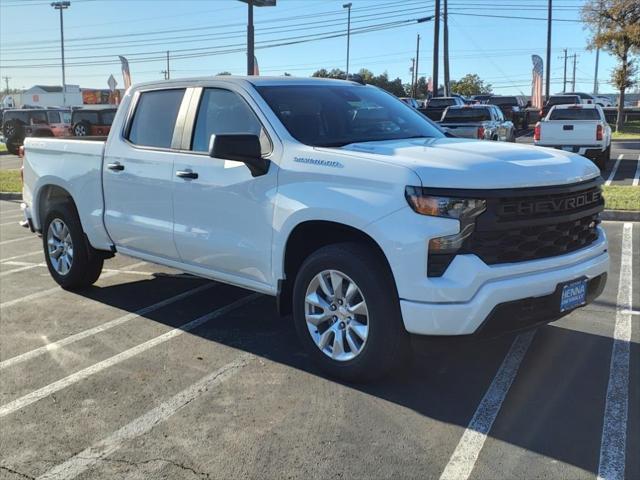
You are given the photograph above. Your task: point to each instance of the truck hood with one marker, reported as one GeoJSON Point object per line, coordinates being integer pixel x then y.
{"type": "Point", "coordinates": [460, 163]}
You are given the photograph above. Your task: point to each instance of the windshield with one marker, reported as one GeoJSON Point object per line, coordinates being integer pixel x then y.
{"type": "Point", "coordinates": [333, 116]}
{"type": "Point", "coordinates": [466, 115]}
{"type": "Point", "coordinates": [574, 114]}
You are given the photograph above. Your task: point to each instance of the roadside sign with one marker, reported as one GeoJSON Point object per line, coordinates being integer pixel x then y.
{"type": "Point", "coordinates": [112, 83]}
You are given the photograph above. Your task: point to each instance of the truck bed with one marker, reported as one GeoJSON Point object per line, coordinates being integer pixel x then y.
{"type": "Point", "coordinates": [568, 132]}
{"type": "Point", "coordinates": [75, 165]}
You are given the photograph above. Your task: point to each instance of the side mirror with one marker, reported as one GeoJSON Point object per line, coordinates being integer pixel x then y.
{"type": "Point", "coordinates": [241, 148]}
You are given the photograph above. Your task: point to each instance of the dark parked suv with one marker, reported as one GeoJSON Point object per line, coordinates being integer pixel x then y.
{"type": "Point", "coordinates": [88, 121]}
{"type": "Point", "coordinates": [20, 123]}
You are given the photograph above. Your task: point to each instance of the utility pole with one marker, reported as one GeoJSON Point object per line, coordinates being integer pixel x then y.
{"type": "Point", "coordinates": [436, 47]}
{"type": "Point", "coordinates": [415, 84]}
{"type": "Point", "coordinates": [6, 82]}
{"type": "Point", "coordinates": [548, 79]}
{"type": "Point", "coordinates": [564, 78]}
{"type": "Point", "coordinates": [573, 82]}
{"type": "Point", "coordinates": [62, 6]}
{"type": "Point", "coordinates": [413, 78]}
{"type": "Point", "coordinates": [445, 46]}
{"type": "Point", "coordinates": [348, 7]}
{"type": "Point", "coordinates": [168, 70]}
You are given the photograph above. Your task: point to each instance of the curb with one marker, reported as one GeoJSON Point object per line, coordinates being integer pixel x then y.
{"type": "Point", "coordinates": [10, 196]}
{"type": "Point", "coordinates": [621, 215]}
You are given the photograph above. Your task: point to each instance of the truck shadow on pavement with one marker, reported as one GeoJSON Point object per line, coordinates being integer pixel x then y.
{"type": "Point", "coordinates": [554, 407]}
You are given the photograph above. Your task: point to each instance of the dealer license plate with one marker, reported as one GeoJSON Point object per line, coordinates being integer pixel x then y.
{"type": "Point", "coordinates": [574, 294]}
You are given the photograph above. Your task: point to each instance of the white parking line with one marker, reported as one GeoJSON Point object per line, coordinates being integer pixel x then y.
{"type": "Point", "coordinates": [614, 430]}
{"type": "Point", "coordinates": [19, 239]}
{"type": "Point", "coordinates": [614, 170]}
{"type": "Point", "coordinates": [100, 328]}
{"type": "Point", "coordinates": [44, 293]}
{"type": "Point", "coordinates": [466, 453]}
{"type": "Point", "coordinates": [636, 178]}
{"type": "Point", "coordinates": [16, 270]}
{"type": "Point", "coordinates": [43, 392]}
{"type": "Point", "coordinates": [29, 265]}
{"type": "Point", "coordinates": [142, 425]}
{"type": "Point", "coordinates": [16, 257]}
{"type": "Point", "coordinates": [15, 222]}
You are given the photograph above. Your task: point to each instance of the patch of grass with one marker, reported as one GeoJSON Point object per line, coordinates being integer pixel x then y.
{"type": "Point", "coordinates": [621, 198]}
{"type": "Point", "coordinates": [630, 130]}
{"type": "Point", "coordinates": [10, 181]}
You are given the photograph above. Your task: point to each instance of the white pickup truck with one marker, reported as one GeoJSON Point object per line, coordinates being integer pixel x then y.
{"type": "Point", "coordinates": [581, 129]}
{"type": "Point", "coordinates": [350, 207]}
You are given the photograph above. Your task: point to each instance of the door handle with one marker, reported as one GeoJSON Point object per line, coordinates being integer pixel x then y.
{"type": "Point", "coordinates": [115, 166]}
{"type": "Point", "coordinates": [187, 174]}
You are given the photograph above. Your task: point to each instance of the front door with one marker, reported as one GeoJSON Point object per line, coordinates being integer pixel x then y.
{"type": "Point", "coordinates": [223, 218]}
{"type": "Point", "coordinates": [138, 176]}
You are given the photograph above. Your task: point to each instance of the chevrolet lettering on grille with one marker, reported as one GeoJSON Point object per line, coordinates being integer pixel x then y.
{"type": "Point", "coordinates": [551, 205]}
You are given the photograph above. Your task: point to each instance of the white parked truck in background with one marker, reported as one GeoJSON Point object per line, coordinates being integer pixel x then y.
{"type": "Point", "coordinates": [581, 129]}
{"type": "Point", "coordinates": [350, 207]}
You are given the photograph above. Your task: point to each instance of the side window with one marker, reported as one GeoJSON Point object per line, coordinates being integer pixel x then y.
{"type": "Point", "coordinates": [223, 111]}
{"type": "Point", "coordinates": [499, 115]}
{"type": "Point", "coordinates": [54, 117]}
{"type": "Point", "coordinates": [155, 118]}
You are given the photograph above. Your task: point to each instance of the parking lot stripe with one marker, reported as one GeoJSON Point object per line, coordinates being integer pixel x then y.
{"type": "Point", "coordinates": [21, 269]}
{"type": "Point", "coordinates": [636, 177]}
{"type": "Point", "coordinates": [15, 222]}
{"type": "Point", "coordinates": [142, 425]}
{"type": "Point", "coordinates": [612, 174]}
{"type": "Point", "coordinates": [19, 239]}
{"type": "Point", "coordinates": [614, 430]}
{"type": "Point", "coordinates": [23, 255]}
{"type": "Point", "coordinates": [466, 453]}
{"type": "Point", "coordinates": [44, 293]}
{"type": "Point", "coordinates": [101, 328]}
{"type": "Point", "coordinates": [43, 392]}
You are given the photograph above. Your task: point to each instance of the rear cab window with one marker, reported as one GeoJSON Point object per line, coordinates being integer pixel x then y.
{"type": "Point", "coordinates": [441, 102]}
{"type": "Point", "coordinates": [154, 118]}
{"type": "Point", "coordinates": [574, 114]}
{"type": "Point", "coordinates": [467, 115]}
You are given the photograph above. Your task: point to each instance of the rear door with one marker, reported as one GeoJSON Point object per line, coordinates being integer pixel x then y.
{"type": "Point", "coordinates": [138, 174]}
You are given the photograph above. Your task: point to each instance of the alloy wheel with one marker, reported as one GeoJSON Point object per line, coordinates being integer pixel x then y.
{"type": "Point", "coordinates": [336, 315]}
{"type": "Point", "coordinates": [60, 246]}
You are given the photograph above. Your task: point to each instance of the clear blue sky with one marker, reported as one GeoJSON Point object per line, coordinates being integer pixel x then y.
{"type": "Point", "coordinates": [497, 49]}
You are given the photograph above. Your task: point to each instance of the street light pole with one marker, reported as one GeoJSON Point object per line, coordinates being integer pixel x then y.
{"type": "Point", "coordinates": [250, 31]}
{"type": "Point", "coordinates": [547, 86]}
{"type": "Point", "coordinates": [62, 6]}
{"type": "Point", "coordinates": [348, 7]}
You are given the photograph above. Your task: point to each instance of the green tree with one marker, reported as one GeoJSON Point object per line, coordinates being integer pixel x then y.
{"type": "Point", "coordinates": [223, 73]}
{"type": "Point", "coordinates": [470, 84]}
{"type": "Point", "coordinates": [615, 27]}
{"type": "Point", "coordinates": [333, 73]}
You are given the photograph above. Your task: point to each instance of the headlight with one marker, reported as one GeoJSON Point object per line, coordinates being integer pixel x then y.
{"type": "Point", "coordinates": [449, 207]}
{"type": "Point", "coordinates": [465, 210]}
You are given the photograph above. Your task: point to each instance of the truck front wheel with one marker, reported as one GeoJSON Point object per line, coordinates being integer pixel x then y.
{"type": "Point", "coordinates": [347, 314]}
{"type": "Point", "coordinates": [72, 262]}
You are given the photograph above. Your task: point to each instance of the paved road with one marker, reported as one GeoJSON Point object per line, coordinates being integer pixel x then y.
{"type": "Point", "coordinates": [9, 162]}
{"type": "Point", "coordinates": [91, 390]}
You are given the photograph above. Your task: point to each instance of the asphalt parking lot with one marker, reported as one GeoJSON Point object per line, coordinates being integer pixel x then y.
{"type": "Point", "coordinates": [155, 374]}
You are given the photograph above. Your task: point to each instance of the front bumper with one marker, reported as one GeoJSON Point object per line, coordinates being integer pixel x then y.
{"type": "Point", "coordinates": [505, 304]}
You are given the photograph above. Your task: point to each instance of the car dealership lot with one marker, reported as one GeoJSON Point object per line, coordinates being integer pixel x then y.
{"type": "Point", "coordinates": [155, 374]}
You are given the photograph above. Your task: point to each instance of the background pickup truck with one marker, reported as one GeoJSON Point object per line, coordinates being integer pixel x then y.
{"type": "Point", "coordinates": [351, 208]}
{"type": "Point", "coordinates": [484, 122]}
{"type": "Point", "coordinates": [437, 105]}
{"type": "Point", "coordinates": [580, 129]}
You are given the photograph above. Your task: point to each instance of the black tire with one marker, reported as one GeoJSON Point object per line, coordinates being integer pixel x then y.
{"type": "Point", "coordinates": [13, 128]}
{"type": "Point", "coordinates": [82, 129]}
{"type": "Point", "coordinates": [387, 344]}
{"type": "Point", "coordinates": [13, 145]}
{"type": "Point", "coordinates": [86, 265]}
{"type": "Point", "coordinates": [603, 158]}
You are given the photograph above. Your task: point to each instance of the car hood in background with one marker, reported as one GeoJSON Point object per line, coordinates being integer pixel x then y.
{"type": "Point", "coordinates": [460, 163]}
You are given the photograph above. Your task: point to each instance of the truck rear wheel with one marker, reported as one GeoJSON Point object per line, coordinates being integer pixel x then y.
{"type": "Point", "coordinates": [72, 262]}
{"type": "Point", "coordinates": [347, 314]}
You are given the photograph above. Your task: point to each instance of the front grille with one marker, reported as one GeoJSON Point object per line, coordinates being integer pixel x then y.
{"type": "Point", "coordinates": [530, 243]}
{"type": "Point", "coordinates": [529, 224]}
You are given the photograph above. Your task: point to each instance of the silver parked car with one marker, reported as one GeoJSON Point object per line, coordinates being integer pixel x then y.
{"type": "Point", "coordinates": [484, 122]}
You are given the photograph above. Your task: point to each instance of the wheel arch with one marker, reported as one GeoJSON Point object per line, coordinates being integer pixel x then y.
{"type": "Point", "coordinates": [306, 238]}
{"type": "Point", "coordinates": [49, 195]}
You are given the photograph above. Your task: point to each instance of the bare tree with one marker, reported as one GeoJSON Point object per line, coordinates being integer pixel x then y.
{"type": "Point", "coordinates": [615, 28]}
